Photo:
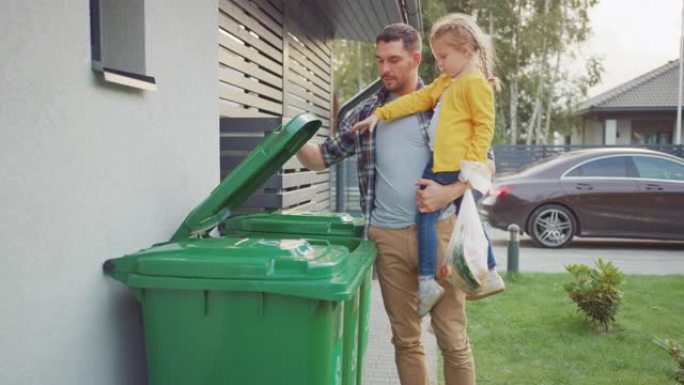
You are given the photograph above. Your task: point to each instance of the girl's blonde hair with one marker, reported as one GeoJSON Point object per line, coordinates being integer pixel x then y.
{"type": "Point", "coordinates": [461, 30]}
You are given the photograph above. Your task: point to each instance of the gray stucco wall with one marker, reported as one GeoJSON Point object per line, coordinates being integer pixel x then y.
{"type": "Point", "coordinates": [90, 171]}
{"type": "Point", "coordinates": [593, 133]}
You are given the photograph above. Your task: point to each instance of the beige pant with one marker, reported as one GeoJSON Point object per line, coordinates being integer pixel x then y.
{"type": "Point", "coordinates": [397, 267]}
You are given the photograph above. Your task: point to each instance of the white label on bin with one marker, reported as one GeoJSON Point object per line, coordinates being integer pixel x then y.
{"type": "Point", "coordinates": [298, 247]}
{"type": "Point", "coordinates": [291, 244]}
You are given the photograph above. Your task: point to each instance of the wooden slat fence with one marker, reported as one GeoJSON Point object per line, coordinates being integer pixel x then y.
{"type": "Point", "coordinates": [274, 63]}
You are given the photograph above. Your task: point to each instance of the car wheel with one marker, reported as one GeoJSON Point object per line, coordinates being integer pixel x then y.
{"type": "Point", "coordinates": [552, 226]}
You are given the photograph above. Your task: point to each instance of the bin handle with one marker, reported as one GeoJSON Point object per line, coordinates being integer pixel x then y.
{"type": "Point", "coordinates": [209, 223]}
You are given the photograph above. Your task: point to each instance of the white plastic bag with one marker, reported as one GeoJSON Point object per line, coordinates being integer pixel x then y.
{"type": "Point", "coordinates": [467, 250]}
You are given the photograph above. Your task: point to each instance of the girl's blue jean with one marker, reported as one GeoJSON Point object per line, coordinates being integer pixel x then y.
{"type": "Point", "coordinates": [426, 224]}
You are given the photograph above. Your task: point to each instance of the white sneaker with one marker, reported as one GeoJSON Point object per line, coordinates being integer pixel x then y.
{"type": "Point", "coordinates": [493, 285]}
{"type": "Point", "coordinates": [429, 292]}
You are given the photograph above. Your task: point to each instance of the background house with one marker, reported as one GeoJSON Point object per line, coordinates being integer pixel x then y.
{"type": "Point", "coordinates": [92, 169]}
{"type": "Point", "coordinates": [641, 111]}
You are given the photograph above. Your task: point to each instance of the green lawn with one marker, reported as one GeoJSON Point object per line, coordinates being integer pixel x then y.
{"type": "Point", "coordinates": [532, 334]}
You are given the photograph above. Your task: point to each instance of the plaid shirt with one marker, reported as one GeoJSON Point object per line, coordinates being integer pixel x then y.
{"type": "Point", "coordinates": [347, 143]}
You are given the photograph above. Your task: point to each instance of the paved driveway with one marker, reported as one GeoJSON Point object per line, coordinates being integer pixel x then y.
{"type": "Point", "coordinates": [631, 256]}
{"type": "Point", "coordinates": [379, 367]}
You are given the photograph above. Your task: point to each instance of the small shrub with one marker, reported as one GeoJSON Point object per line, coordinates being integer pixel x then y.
{"type": "Point", "coordinates": [675, 351]}
{"type": "Point", "coordinates": [596, 292]}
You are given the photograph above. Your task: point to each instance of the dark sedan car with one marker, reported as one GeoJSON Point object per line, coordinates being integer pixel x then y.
{"type": "Point", "coordinates": [603, 192]}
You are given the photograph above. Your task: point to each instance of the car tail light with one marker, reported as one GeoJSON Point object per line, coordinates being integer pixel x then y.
{"type": "Point", "coordinates": [498, 192]}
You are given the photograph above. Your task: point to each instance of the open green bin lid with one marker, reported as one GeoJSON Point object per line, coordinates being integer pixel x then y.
{"type": "Point", "coordinates": [291, 266]}
{"type": "Point", "coordinates": [268, 157]}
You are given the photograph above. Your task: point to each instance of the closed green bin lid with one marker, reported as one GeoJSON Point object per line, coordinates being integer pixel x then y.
{"type": "Point", "coordinates": [297, 267]}
{"type": "Point", "coordinates": [304, 224]}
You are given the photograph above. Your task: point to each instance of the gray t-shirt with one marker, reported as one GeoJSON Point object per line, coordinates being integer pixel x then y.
{"type": "Point", "coordinates": [401, 156]}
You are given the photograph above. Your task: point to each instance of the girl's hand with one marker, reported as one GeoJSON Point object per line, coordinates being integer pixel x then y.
{"type": "Point", "coordinates": [366, 124]}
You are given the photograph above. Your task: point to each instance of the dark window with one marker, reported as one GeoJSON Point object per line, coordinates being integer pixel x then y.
{"type": "Point", "coordinates": [117, 39]}
{"type": "Point", "coordinates": [658, 168]}
{"type": "Point", "coordinates": [615, 167]}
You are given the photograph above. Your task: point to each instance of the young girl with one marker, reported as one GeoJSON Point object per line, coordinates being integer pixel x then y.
{"type": "Point", "coordinates": [461, 129]}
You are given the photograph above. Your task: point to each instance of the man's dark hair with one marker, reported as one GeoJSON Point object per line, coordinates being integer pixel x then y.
{"type": "Point", "coordinates": [400, 31]}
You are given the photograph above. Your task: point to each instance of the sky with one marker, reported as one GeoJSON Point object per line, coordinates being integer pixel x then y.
{"type": "Point", "coordinates": [633, 37]}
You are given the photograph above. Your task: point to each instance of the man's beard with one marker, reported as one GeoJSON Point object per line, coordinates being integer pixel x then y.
{"type": "Point", "coordinates": [393, 85]}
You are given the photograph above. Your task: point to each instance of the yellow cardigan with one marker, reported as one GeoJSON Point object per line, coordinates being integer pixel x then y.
{"type": "Point", "coordinates": [465, 125]}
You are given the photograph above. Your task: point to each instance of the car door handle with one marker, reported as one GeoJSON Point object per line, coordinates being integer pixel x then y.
{"type": "Point", "coordinates": [654, 187]}
{"type": "Point", "coordinates": [584, 186]}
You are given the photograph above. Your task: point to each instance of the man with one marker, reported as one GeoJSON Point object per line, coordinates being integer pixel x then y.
{"type": "Point", "coordinates": [390, 162]}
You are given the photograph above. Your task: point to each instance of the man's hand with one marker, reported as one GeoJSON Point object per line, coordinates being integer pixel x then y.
{"type": "Point", "coordinates": [366, 124]}
{"type": "Point", "coordinates": [310, 156]}
{"type": "Point", "coordinates": [435, 196]}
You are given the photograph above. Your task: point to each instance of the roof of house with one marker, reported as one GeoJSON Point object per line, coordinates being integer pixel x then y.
{"type": "Point", "coordinates": [362, 20]}
{"type": "Point", "coordinates": [654, 90]}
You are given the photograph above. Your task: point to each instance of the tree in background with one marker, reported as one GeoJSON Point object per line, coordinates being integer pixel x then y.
{"type": "Point", "coordinates": [354, 67]}
{"type": "Point", "coordinates": [537, 42]}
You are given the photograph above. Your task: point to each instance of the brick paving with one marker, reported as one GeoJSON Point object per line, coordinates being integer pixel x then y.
{"type": "Point", "coordinates": [379, 367]}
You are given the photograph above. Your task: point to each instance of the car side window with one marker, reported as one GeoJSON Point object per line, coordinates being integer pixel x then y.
{"type": "Point", "coordinates": [615, 166]}
{"type": "Point", "coordinates": [659, 168]}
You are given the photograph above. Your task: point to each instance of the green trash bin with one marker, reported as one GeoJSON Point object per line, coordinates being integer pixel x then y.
{"type": "Point", "coordinates": [252, 308]}
{"type": "Point", "coordinates": [339, 229]}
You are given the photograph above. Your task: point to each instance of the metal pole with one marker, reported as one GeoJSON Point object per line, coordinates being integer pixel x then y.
{"type": "Point", "coordinates": [678, 130]}
{"type": "Point", "coordinates": [513, 249]}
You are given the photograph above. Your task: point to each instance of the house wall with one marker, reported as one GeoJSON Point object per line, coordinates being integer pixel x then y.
{"type": "Point", "coordinates": [591, 134]}
{"type": "Point", "coordinates": [577, 134]}
{"type": "Point", "coordinates": [92, 171]}
{"type": "Point", "coordinates": [624, 132]}
{"type": "Point", "coordinates": [631, 129]}
{"type": "Point", "coordinates": [609, 132]}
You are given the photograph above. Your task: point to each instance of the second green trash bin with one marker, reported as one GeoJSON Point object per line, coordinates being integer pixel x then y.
{"type": "Point", "coordinates": [342, 229]}
{"type": "Point", "coordinates": [265, 304]}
